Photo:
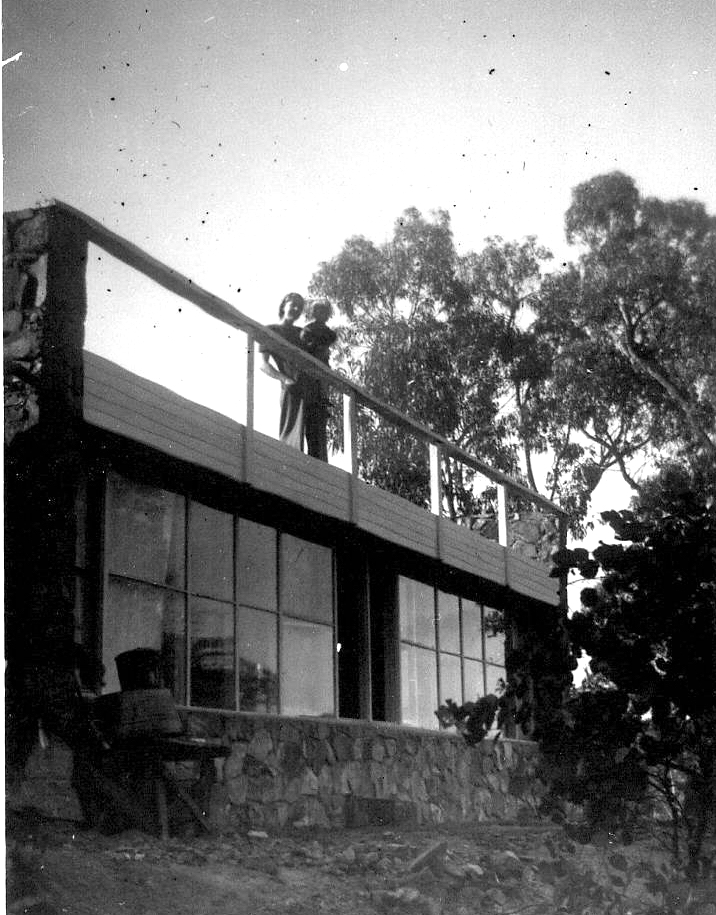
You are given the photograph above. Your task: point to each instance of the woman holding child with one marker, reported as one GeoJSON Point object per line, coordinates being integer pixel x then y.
{"type": "Point", "coordinates": [304, 398]}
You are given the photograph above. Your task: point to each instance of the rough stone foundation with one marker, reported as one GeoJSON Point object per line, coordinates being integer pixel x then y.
{"type": "Point", "coordinates": [311, 772]}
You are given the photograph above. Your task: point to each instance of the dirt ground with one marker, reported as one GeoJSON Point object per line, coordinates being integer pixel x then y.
{"type": "Point", "coordinates": [55, 866]}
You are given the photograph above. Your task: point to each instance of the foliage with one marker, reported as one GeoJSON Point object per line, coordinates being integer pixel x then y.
{"type": "Point", "coordinates": [631, 327]}
{"type": "Point", "coordinates": [403, 344]}
{"type": "Point", "coordinates": [593, 364]}
{"type": "Point", "coordinates": [649, 626]}
{"type": "Point", "coordinates": [539, 672]}
{"type": "Point", "coordinates": [473, 720]}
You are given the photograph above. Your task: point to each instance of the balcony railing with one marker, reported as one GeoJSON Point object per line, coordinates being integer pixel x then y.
{"type": "Point", "coordinates": [354, 397]}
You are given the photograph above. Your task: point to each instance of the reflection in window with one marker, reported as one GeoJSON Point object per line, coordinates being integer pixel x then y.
{"type": "Point", "coordinates": [494, 678]}
{"type": "Point", "coordinates": [211, 552]}
{"type": "Point", "coordinates": [306, 668]}
{"type": "Point", "coordinates": [469, 660]}
{"type": "Point", "coordinates": [471, 629]}
{"type": "Point", "coordinates": [143, 616]}
{"type": "Point", "coordinates": [256, 565]}
{"type": "Point", "coordinates": [417, 611]}
{"type": "Point", "coordinates": [174, 647]}
{"type": "Point", "coordinates": [258, 662]}
{"type": "Point", "coordinates": [474, 680]}
{"type": "Point", "coordinates": [306, 580]}
{"type": "Point", "coordinates": [449, 622]}
{"type": "Point", "coordinates": [450, 678]}
{"type": "Point", "coordinates": [216, 618]}
{"type": "Point", "coordinates": [494, 637]}
{"type": "Point", "coordinates": [211, 630]}
{"type": "Point", "coordinates": [419, 691]}
{"type": "Point", "coordinates": [147, 532]}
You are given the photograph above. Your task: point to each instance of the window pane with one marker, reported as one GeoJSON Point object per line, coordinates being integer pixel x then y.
{"type": "Point", "coordinates": [471, 629]}
{"type": "Point", "coordinates": [258, 678]}
{"type": "Point", "coordinates": [418, 686]}
{"type": "Point", "coordinates": [256, 569]}
{"type": "Point", "coordinates": [174, 647]}
{"type": "Point", "coordinates": [141, 616]}
{"type": "Point", "coordinates": [450, 678]}
{"type": "Point", "coordinates": [494, 640]}
{"type": "Point", "coordinates": [306, 668]}
{"type": "Point", "coordinates": [417, 611]}
{"type": "Point", "coordinates": [494, 675]}
{"type": "Point", "coordinates": [474, 680]}
{"type": "Point", "coordinates": [449, 622]}
{"type": "Point", "coordinates": [211, 553]}
{"type": "Point", "coordinates": [306, 580]}
{"type": "Point", "coordinates": [145, 532]}
{"type": "Point", "coordinates": [212, 654]}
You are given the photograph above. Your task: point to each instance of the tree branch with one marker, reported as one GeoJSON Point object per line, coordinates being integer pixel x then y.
{"type": "Point", "coordinates": [643, 366]}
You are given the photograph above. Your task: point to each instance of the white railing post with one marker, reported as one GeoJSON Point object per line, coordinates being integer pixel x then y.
{"type": "Point", "coordinates": [502, 529]}
{"type": "Point", "coordinates": [436, 480]}
{"type": "Point", "coordinates": [248, 455]}
{"type": "Point", "coordinates": [350, 449]}
{"type": "Point", "coordinates": [436, 491]}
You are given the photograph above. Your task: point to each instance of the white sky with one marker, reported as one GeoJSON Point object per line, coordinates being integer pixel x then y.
{"type": "Point", "coordinates": [242, 141]}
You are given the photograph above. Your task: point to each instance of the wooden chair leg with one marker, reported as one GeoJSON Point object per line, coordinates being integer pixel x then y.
{"type": "Point", "coordinates": [160, 794]}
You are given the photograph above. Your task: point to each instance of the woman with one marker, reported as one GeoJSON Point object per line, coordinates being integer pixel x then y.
{"type": "Point", "coordinates": [276, 365]}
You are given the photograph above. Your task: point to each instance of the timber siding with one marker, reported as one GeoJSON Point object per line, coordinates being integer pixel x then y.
{"type": "Point", "coordinates": [140, 410]}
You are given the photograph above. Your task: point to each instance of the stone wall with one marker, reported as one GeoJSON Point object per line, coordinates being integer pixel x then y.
{"type": "Point", "coordinates": [25, 242]}
{"type": "Point", "coordinates": [312, 772]}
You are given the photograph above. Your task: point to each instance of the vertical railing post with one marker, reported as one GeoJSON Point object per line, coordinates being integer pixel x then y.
{"type": "Point", "coordinates": [436, 491]}
{"type": "Point", "coordinates": [350, 449]}
{"type": "Point", "coordinates": [436, 479]}
{"type": "Point", "coordinates": [502, 529]}
{"type": "Point", "coordinates": [248, 456]}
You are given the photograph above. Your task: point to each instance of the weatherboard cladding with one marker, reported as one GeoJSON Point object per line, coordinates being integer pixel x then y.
{"type": "Point", "coordinates": [143, 411]}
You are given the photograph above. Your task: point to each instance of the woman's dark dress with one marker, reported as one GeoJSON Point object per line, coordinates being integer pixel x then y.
{"type": "Point", "coordinates": [317, 340]}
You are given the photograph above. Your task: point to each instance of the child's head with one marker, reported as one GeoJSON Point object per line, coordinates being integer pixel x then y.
{"type": "Point", "coordinates": [321, 311]}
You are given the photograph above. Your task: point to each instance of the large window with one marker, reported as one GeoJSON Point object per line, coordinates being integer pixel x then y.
{"type": "Point", "coordinates": [450, 648]}
{"type": "Point", "coordinates": [243, 614]}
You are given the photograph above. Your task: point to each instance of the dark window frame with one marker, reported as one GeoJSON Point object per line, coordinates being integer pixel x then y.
{"type": "Point", "coordinates": [187, 593]}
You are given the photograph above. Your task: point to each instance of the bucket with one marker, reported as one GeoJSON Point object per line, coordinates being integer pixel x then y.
{"type": "Point", "coordinates": [140, 668]}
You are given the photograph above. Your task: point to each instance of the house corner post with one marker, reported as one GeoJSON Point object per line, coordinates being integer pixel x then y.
{"type": "Point", "coordinates": [46, 460]}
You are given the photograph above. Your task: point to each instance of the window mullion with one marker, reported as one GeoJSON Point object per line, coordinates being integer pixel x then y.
{"type": "Point", "coordinates": [279, 622]}
{"type": "Point", "coordinates": [187, 606]}
{"type": "Point", "coordinates": [335, 634]}
{"type": "Point", "coordinates": [436, 624]}
{"type": "Point", "coordinates": [103, 565]}
{"type": "Point", "coordinates": [237, 654]}
{"type": "Point", "coordinates": [484, 649]}
{"type": "Point", "coordinates": [462, 651]}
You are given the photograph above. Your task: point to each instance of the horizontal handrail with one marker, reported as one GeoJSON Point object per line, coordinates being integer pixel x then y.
{"type": "Point", "coordinates": [210, 304]}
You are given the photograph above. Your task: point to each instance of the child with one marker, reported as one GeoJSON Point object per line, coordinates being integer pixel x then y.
{"type": "Point", "coordinates": [317, 338]}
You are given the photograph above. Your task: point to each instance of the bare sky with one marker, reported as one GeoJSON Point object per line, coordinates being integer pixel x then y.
{"type": "Point", "coordinates": [242, 141]}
